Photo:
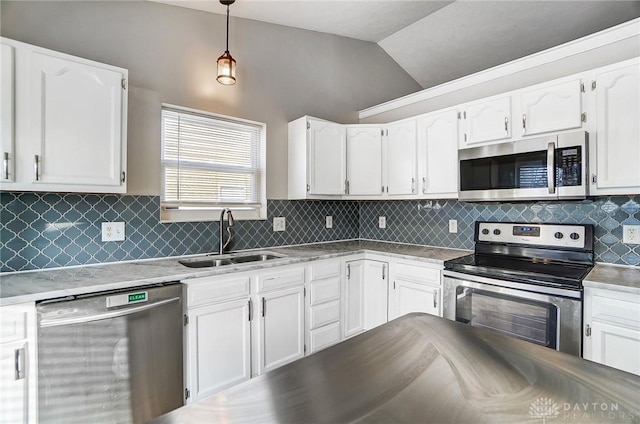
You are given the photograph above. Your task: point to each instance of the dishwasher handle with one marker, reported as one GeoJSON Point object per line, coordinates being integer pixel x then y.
{"type": "Point", "coordinates": [106, 315]}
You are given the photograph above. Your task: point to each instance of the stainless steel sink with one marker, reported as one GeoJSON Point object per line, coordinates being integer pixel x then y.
{"type": "Point", "coordinates": [233, 259]}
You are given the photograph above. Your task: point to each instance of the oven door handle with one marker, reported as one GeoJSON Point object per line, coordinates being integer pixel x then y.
{"type": "Point", "coordinates": [551, 167]}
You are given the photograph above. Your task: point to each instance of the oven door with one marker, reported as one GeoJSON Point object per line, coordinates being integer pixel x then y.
{"type": "Point", "coordinates": [551, 321]}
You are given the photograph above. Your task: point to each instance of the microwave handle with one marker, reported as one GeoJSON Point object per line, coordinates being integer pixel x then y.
{"type": "Point", "coordinates": [551, 174]}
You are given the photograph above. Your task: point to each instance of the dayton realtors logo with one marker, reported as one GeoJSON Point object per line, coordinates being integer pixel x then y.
{"type": "Point", "coordinates": [544, 408]}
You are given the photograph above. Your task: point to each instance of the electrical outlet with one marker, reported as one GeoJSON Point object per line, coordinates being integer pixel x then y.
{"type": "Point", "coordinates": [279, 223]}
{"type": "Point", "coordinates": [113, 231]}
{"type": "Point", "coordinates": [631, 234]}
{"type": "Point", "coordinates": [329, 221]}
{"type": "Point", "coordinates": [382, 222]}
{"type": "Point", "coordinates": [453, 225]}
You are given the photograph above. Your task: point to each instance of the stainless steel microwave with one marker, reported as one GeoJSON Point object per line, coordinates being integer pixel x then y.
{"type": "Point", "coordinates": [546, 168]}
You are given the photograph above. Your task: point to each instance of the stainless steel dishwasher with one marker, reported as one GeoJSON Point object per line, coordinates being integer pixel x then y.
{"type": "Point", "coordinates": [111, 357]}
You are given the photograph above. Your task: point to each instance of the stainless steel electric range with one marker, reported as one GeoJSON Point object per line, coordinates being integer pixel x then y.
{"type": "Point", "coordinates": [524, 280]}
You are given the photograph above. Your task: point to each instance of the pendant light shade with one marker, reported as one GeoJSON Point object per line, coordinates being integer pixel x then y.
{"type": "Point", "coordinates": [226, 63]}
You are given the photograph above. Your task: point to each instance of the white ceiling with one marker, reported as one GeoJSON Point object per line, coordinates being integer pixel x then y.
{"type": "Point", "coordinates": [438, 41]}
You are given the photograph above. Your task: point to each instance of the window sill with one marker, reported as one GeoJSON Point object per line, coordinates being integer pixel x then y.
{"type": "Point", "coordinates": [182, 215]}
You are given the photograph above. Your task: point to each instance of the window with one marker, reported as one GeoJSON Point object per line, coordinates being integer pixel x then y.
{"type": "Point", "coordinates": [210, 162]}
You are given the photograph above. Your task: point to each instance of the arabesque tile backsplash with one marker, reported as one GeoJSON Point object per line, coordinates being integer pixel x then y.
{"type": "Point", "coordinates": [47, 230]}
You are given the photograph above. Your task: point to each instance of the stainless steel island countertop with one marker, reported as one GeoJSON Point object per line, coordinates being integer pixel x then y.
{"type": "Point", "coordinates": [424, 369]}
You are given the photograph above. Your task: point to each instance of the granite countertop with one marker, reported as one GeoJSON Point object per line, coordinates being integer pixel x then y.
{"type": "Point", "coordinates": [48, 284]}
{"type": "Point", "coordinates": [420, 368]}
{"type": "Point", "coordinates": [613, 277]}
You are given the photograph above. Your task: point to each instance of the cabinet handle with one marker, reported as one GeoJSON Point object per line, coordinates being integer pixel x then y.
{"type": "Point", "coordinates": [587, 330]}
{"type": "Point", "coordinates": [384, 268]}
{"type": "Point", "coordinates": [5, 165]}
{"type": "Point", "coordinates": [308, 188]}
{"type": "Point", "coordinates": [36, 166]}
{"type": "Point", "coordinates": [346, 186]}
{"type": "Point", "coordinates": [250, 309]}
{"type": "Point", "coordinates": [524, 123]}
{"type": "Point", "coordinates": [413, 185]}
{"type": "Point", "coordinates": [348, 271]}
{"type": "Point", "coordinates": [19, 358]}
{"type": "Point", "coordinates": [394, 285]}
{"type": "Point", "coordinates": [594, 179]}
{"type": "Point", "coordinates": [264, 306]}
{"type": "Point", "coordinates": [424, 185]}
{"type": "Point", "coordinates": [506, 125]}
{"type": "Point", "coordinates": [435, 298]}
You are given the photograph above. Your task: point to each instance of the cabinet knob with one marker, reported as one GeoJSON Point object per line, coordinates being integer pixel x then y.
{"type": "Point", "coordinates": [587, 330]}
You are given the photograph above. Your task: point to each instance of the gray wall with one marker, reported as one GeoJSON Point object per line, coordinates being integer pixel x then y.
{"type": "Point", "coordinates": [283, 73]}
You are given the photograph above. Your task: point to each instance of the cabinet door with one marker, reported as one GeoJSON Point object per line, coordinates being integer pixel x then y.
{"type": "Point", "coordinates": [281, 333]}
{"type": "Point", "coordinates": [219, 347]}
{"type": "Point", "coordinates": [375, 294]}
{"type": "Point", "coordinates": [437, 136]}
{"type": "Point", "coordinates": [327, 158]}
{"type": "Point", "coordinates": [400, 152]}
{"type": "Point", "coordinates": [408, 296]}
{"type": "Point", "coordinates": [364, 161]}
{"type": "Point", "coordinates": [353, 315]}
{"type": "Point", "coordinates": [7, 108]}
{"type": "Point", "coordinates": [13, 382]}
{"type": "Point", "coordinates": [617, 141]}
{"type": "Point", "coordinates": [552, 107]}
{"type": "Point", "coordinates": [615, 346]}
{"type": "Point", "coordinates": [76, 117]}
{"type": "Point", "coordinates": [486, 121]}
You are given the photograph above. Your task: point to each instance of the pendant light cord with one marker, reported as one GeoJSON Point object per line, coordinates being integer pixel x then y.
{"type": "Point", "coordinates": [227, 28]}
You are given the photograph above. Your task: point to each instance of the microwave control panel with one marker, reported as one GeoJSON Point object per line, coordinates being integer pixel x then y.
{"type": "Point", "coordinates": [569, 166]}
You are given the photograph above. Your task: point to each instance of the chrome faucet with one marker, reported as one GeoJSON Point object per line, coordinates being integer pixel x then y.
{"type": "Point", "coordinates": [230, 223]}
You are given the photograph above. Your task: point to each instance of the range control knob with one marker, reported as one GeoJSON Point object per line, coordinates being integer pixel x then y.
{"type": "Point", "coordinates": [574, 236]}
{"type": "Point", "coordinates": [485, 231]}
{"type": "Point", "coordinates": [496, 232]}
{"type": "Point", "coordinates": [558, 235]}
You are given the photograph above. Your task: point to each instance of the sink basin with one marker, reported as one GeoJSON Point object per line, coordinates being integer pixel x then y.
{"type": "Point", "coordinates": [204, 262]}
{"type": "Point", "coordinates": [239, 258]}
{"type": "Point", "coordinates": [255, 258]}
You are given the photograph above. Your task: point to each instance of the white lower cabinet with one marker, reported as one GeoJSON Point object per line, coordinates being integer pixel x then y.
{"type": "Point", "coordinates": [376, 275]}
{"type": "Point", "coordinates": [353, 295]}
{"type": "Point", "coordinates": [218, 334]}
{"type": "Point", "coordinates": [279, 322]}
{"type": "Point", "coordinates": [323, 305]}
{"type": "Point", "coordinates": [612, 328]}
{"type": "Point", "coordinates": [18, 385]}
{"type": "Point", "coordinates": [415, 287]}
{"type": "Point", "coordinates": [281, 328]}
{"type": "Point", "coordinates": [221, 357]}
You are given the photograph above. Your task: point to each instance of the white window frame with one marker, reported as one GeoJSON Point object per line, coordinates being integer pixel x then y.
{"type": "Point", "coordinates": [212, 213]}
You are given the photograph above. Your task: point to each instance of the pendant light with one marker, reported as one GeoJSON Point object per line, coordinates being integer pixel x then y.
{"type": "Point", "coordinates": [227, 64]}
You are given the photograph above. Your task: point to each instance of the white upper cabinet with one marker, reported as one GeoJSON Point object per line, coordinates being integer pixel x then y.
{"type": "Point", "coordinates": [438, 154]}
{"type": "Point", "coordinates": [615, 166]}
{"type": "Point", "coordinates": [317, 159]}
{"type": "Point", "coordinates": [327, 158]}
{"type": "Point", "coordinates": [484, 121]}
{"type": "Point", "coordinates": [7, 84]}
{"type": "Point", "coordinates": [70, 123]}
{"type": "Point", "coordinates": [399, 159]}
{"type": "Point", "coordinates": [548, 107]}
{"type": "Point", "coordinates": [364, 160]}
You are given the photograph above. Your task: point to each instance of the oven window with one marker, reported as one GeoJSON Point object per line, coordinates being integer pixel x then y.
{"type": "Point", "coordinates": [523, 170]}
{"type": "Point", "coordinates": [525, 319]}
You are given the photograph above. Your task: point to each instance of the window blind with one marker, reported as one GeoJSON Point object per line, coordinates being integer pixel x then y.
{"type": "Point", "coordinates": [209, 161]}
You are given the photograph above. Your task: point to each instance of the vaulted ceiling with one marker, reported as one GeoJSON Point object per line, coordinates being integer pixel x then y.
{"type": "Point", "coordinates": [438, 41]}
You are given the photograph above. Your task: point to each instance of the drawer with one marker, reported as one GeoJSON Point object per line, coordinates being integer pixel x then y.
{"type": "Point", "coordinates": [324, 314]}
{"type": "Point", "coordinates": [205, 290]}
{"type": "Point", "coordinates": [279, 280]}
{"type": "Point", "coordinates": [13, 323]}
{"type": "Point", "coordinates": [325, 270]}
{"type": "Point", "coordinates": [324, 290]}
{"type": "Point", "coordinates": [324, 337]}
{"type": "Point", "coordinates": [622, 308]}
{"type": "Point", "coordinates": [417, 273]}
